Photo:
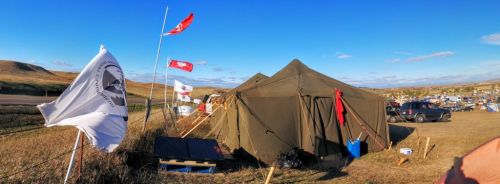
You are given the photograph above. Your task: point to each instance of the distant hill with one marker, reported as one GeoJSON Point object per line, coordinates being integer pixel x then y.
{"type": "Point", "coordinates": [463, 89]}
{"type": "Point", "coordinates": [13, 67]}
{"type": "Point", "coordinates": [23, 78]}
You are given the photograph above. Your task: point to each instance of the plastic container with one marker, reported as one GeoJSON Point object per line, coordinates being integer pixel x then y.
{"type": "Point", "coordinates": [354, 148]}
{"type": "Point", "coordinates": [405, 151]}
{"type": "Point", "coordinates": [184, 110]}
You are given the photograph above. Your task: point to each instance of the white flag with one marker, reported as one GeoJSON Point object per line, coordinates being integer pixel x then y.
{"type": "Point", "coordinates": [95, 103]}
{"type": "Point", "coordinates": [182, 88]}
{"type": "Point", "coordinates": [183, 97]}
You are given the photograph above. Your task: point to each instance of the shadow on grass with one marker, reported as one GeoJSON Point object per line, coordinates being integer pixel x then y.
{"type": "Point", "coordinates": [331, 165]}
{"type": "Point", "coordinates": [139, 154]}
{"type": "Point", "coordinates": [398, 133]}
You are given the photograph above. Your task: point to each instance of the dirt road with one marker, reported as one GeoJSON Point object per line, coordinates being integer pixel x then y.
{"type": "Point", "coordinates": [34, 100]}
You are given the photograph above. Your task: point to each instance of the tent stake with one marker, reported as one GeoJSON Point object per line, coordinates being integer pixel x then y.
{"type": "Point", "coordinates": [269, 175]}
{"type": "Point", "coordinates": [426, 146]}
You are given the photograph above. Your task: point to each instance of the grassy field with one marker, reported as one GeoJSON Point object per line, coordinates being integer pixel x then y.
{"type": "Point", "coordinates": [133, 162]}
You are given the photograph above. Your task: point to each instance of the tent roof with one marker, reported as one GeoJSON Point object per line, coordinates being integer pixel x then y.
{"type": "Point", "coordinates": [297, 77]}
{"type": "Point", "coordinates": [257, 78]}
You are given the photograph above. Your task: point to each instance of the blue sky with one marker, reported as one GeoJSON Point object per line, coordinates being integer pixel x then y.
{"type": "Point", "coordinates": [368, 44]}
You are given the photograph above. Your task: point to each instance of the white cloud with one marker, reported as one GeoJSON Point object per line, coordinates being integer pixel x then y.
{"type": "Point", "coordinates": [430, 56]}
{"type": "Point", "coordinates": [402, 53]}
{"type": "Point", "coordinates": [395, 60]}
{"type": "Point", "coordinates": [202, 62]}
{"type": "Point", "coordinates": [62, 64]}
{"type": "Point", "coordinates": [492, 63]}
{"type": "Point", "coordinates": [343, 56]}
{"type": "Point", "coordinates": [225, 82]}
{"type": "Point", "coordinates": [395, 81]}
{"type": "Point", "coordinates": [493, 39]}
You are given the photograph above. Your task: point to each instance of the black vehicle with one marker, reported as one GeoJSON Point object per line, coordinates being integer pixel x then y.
{"type": "Point", "coordinates": [392, 114]}
{"type": "Point", "coordinates": [423, 111]}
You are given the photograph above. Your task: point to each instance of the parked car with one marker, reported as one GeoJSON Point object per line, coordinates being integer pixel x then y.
{"type": "Point", "coordinates": [423, 111]}
{"type": "Point", "coordinates": [455, 108]}
{"type": "Point", "coordinates": [392, 114]}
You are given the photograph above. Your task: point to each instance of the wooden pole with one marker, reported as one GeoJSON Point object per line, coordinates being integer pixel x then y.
{"type": "Point", "coordinates": [147, 113]}
{"type": "Point", "coordinates": [166, 80]}
{"type": "Point", "coordinates": [199, 123]}
{"type": "Point", "coordinates": [367, 131]}
{"type": "Point", "coordinates": [269, 175]}
{"type": "Point", "coordinates": [164, 117]}
{"type": "Point", "coordinates": [426, 146]}
{"type": "Point", "coordinates": [80, 157]}
{"type": "Point", "coordinates": [390, 146]}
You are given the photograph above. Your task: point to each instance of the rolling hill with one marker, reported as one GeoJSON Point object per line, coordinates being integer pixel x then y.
{"type": "Point", "coordinates": [23, 78]}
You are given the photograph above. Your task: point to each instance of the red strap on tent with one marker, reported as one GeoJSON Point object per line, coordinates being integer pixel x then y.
{"type": "Point", "coordinates": [339, 107]}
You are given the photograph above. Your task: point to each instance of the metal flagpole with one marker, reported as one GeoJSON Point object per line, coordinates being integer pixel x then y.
{"type": "Point", "coordinates": [154, 73]}
{"type": "Point", "coordinates": [72, 156]}
{"type": "Point", "coordinates": [158, 54]}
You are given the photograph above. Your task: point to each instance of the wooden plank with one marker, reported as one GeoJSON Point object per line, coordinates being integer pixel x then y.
{"type": "Point", "coordinates": [188, 163]}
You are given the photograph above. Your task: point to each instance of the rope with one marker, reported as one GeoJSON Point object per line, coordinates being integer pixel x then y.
{"type": "Point", "coordinates": [361, 125]}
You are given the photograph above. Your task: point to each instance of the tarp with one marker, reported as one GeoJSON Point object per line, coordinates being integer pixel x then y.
{"type": "Point", "coordinates": [294, 109]}
{"type": "Point", "coordinates": [492, 107]}
{"type": "Point", "coordinates": [187, 148]}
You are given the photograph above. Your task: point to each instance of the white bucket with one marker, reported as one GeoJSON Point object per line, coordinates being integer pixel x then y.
{"type": "Point", "coordinates": [184, 110]}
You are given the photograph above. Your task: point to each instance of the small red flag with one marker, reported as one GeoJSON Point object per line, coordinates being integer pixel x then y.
{"type": "Point", "coordinates": [183, 65]}
{"type": "Point", "coordinates": [339, 107]}
{"type": "Point", "coordinates": [181, 26]}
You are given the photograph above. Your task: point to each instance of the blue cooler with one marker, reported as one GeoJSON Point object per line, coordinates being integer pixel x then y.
{"type": "Point", "coordinates": [354, 148]}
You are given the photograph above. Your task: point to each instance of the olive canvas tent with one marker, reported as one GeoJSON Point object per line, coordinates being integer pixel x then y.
{"type": "Point", "coordinates": [295, 109]}
{"type": "Point", "coordinates": [257, 78]}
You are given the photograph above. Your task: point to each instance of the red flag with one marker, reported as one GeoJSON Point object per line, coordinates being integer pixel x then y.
{"type": "Point", "coordinates": [183, 65]}
{"type": "Point", "coordinates": [339, 107]}
{"type": "Point", "coordinates": [181, 26]}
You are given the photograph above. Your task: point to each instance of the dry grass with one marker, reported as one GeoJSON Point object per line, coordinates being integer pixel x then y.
{"type": "Point", "coordinates": [126, 164]}
{"type": "Point", "coordinates": [132, 162]}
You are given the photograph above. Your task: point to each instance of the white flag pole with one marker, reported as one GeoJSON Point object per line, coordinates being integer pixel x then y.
{"type": "Point", "coordinates": [166, 82]}
{"type": "Point", "coordinates": [72, 160]}
{"type": "Point", "coordinates": [158, 54]}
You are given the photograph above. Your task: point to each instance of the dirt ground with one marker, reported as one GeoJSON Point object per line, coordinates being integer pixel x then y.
{"type": "Point", "coordinates": [448, 140]}
{"type": "Point", "coordinates": [40, 156]}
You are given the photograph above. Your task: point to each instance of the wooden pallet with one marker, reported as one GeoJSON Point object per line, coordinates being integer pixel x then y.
{"type": "Point", "coordinates": [188, 166]}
